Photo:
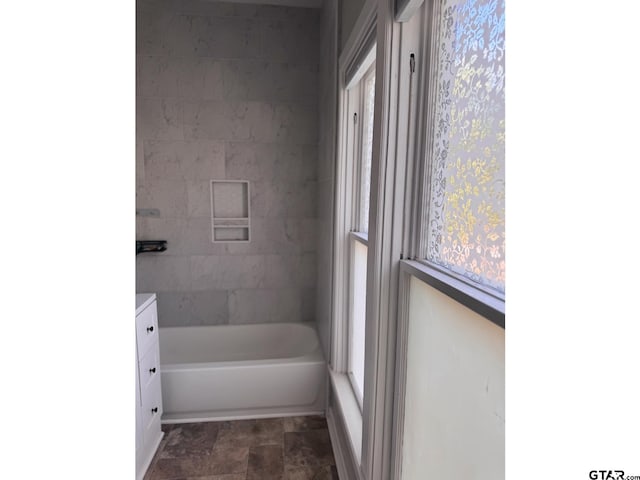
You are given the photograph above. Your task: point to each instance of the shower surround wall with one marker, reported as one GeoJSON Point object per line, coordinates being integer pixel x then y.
{"type": "Point", "coordinates": [227, 91]}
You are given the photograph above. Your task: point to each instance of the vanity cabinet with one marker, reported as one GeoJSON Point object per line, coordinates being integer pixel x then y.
{"type": "Point", "coordinates": [148, 388]}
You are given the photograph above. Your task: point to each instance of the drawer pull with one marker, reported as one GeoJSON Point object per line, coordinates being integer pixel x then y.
{"type": "Point", "coordinates": [152, 370]}
{"type": "Point", "coordinates": [150, 329]}
{"type": "Point", "coordinates": [154, 410]}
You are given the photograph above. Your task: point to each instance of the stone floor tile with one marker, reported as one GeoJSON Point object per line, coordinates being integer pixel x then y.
{"type": "Point", "coordinates": [172, 468]}
{"type": "Point", "coordinates": [251, 433]}
{"type": "Point", "coordinates": [231, 476]}
{"type": "Point", "coordinates": [308, 449]}
{"type": "Point", "coordinates": [304, 424]}
{"type": "Point", "coordinates": [190, 439]}
{"type": "Point", "coordinates": [327, 472]}
{"type": "Point", "coordinates": [266, 462]}
{"type": "Point", "coordinates": [220, 461]}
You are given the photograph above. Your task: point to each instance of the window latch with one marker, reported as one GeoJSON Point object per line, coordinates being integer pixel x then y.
{"type": "Point", "coordinates": [412, 63]}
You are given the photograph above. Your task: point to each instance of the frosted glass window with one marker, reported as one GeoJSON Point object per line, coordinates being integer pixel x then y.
{"type": "Point", "coordinates": [358, 311]}
{"type": "Point", "coordinates": [466, 219]}
{"type": "Point", "coordinates": [367, 147]}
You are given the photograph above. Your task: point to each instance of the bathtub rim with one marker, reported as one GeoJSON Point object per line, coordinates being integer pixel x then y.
{"type": "Point", "coordinates": [311, 357]}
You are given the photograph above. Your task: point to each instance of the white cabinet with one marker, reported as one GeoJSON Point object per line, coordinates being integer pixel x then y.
{"type": "Point", "coordinates": [148, 388]}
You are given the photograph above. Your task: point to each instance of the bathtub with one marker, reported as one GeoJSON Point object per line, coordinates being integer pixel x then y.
{"type": "Point", "coordinates": [230, 372]}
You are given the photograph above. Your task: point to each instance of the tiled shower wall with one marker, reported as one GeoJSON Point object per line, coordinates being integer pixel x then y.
{"type": "Point", "coordinates": [227, 91]}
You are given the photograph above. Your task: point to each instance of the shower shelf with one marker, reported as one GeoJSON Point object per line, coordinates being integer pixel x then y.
{"type": "Point", "coordinates": [230, 218]}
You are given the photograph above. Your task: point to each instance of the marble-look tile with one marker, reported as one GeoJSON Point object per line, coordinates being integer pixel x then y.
{"type": "Point", "coordinates": [139, 162]}
{"type": "Point", "coordinates": [307, 231]}
{"type": "Point", "coordinates": [159, 118]}
{"type": "Point", "coordinates": [308, 449]}
{"type": "Point", "coordinates": [270, 162]}
{"type": "Point", "coordinates": [250, 433]}
{"type": "Point", "coordinates": [162, 273]}
{"type": "Point", "coordinates": [184, 236]}
{"type": "Point", "coordinates": [174, 309]}
{"type": "Point", "coordinates": [157, 76]}
{"type": "Point", "coordinates": [265, 463]}
{"type": "Point", "coordinates": [289, 13]}
{"type": "Point", "coordinates": [217, 272]}
{"type": "Point", "coordinates": [216, 9]}
{"type": "Point", "coordinates": [291, 270]}
{"type": "Point", "coordinates": [155, 28]}
{"type": "Point", "coordinates": [289, 41]}
{"type": "Point", "coordinates": [199, 198]}
{"type": "Point", "coordinates": [210, 308]}
{"type": "Point", "coordinates": [198, 241]}
{"type": "Point", "coordinates": [308, 308]}
{"type": "Point", "coordinates": [171, 229]}
{"type": "Point", "coordinates": [140, 228]}
{"type": "Point", "coordinates": [181, 309]}
{"type": "Point", "coordinates": [305, 423]}
{"type": "Point", "coordinates": [264, 305]}
{"type": "Point", "coordinates": [251, 121]}
{"type": "Point", "coordinates": [218, 37]}
{"type": "Point", "coordinates": [201, 78]}
{"type": "Point", "coordinates": [327, 472]}
{"type": "Point", "coordinates": [168, 196]}
{"type": "Point", "coordinates": [325, 203]}
{"type": "Point", "coordinates": [219, 120]}
{"type": "Point", "coordinates": [184, 160]}
{"type": "Point", "coordinates": [268, 81]}
{"type": "Point", "coordinates": [274, 235]}
{"type": "Point", "coordinates": [287, 123]}
{"type": "Point", "coordinates": [283, 199]}
{"type": "Point", "coordinates": [190, 439]}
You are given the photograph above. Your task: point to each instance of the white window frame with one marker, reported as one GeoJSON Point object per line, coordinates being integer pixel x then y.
{"type": "Point", "coordinates": [353, 58]}
{"type": "Point", "coordinates": [485, 301]}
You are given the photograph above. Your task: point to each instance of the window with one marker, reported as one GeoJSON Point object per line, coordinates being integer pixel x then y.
{"type": "Point", "coordinates": [360, 101]}
{"type": "Point", "coordinates": [463, 222]}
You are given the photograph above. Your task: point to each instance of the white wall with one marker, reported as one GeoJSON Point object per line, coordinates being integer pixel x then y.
{"type": "Point", "coordinates": [455, 406]}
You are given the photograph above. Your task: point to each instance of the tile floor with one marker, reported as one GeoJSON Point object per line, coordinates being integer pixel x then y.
{"type": "Point", "coordinates": [290, 448]}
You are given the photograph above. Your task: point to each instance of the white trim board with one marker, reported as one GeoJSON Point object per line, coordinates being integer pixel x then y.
{"type": "Point", "coordinates": [278, 3]}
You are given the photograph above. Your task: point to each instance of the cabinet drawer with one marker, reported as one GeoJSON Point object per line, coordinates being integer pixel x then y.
{"type": "Point", "coordinates": [147, 328]}
{"type": "Point", "coordinates": [149, 366]}
{"type": "Point", "coordinates": [151, 401]}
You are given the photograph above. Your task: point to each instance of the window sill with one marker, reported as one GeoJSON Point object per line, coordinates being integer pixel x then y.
{"type": "Point", "coordinates": [348, 405]}
{"type": "Point", "coordinates": [490, 307]}
{"type": "Point", "coordinates": [361, 237]}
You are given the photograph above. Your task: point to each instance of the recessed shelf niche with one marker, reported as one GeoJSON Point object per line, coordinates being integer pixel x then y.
{"type": "Point", "coordinates": [230, 211]}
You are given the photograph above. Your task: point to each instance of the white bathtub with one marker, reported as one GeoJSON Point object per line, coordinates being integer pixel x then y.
{"type": "Point", "coordinates": [241, 371]}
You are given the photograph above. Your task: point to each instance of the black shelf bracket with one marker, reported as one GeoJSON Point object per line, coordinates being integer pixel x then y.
{"type": "Point", "coordinates": [150, 246]}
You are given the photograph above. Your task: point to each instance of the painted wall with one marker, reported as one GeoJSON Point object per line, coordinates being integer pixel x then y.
{"type": "Point", "coordinates": [227, 91]}
{"type": "Point", "coordinates": [455, 405]}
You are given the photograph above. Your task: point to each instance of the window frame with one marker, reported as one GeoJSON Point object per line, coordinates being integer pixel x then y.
{"type": "Point", "coordinates": [484, 300]}
{"type": "Point", "coordinates": [355, 156]}
{"type": "Point", "coordinates": [353, 65]}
